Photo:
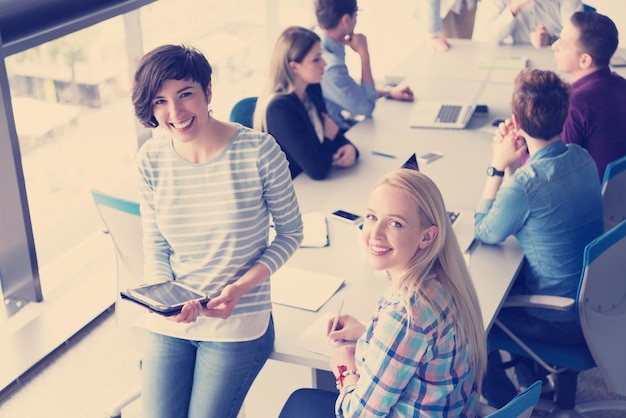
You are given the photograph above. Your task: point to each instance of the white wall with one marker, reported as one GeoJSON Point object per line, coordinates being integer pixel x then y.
{"type": "Point", "coordinates": [616, 10]}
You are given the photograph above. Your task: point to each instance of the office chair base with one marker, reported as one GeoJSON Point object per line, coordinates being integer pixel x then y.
{"type": "Point", "coordinates": [548, 409]}
{"type": "Point", "coordinates": [116, 411]}
{"type": "Point", "coordinates": [607, 405]}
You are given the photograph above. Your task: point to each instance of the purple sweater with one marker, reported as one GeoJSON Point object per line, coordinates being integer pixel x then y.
{"type": "Point", "coordinates": [597, 117]}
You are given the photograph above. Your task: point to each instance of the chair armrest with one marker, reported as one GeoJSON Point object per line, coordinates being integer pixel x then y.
{"type": "Point", "coordinates": [558, 303]}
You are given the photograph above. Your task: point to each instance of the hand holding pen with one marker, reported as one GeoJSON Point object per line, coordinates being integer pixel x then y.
{"type": "Point", "coordinates": [333, 325]}
{"type": "Point", "coordinates": [346, 328]}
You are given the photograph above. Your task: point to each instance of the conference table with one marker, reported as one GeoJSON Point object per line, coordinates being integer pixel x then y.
{"type": "Point", "coordinates": [385, 141]}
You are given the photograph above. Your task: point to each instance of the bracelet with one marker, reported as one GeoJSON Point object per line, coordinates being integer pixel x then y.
{"type": "Point", "coordinates": [343, 373]}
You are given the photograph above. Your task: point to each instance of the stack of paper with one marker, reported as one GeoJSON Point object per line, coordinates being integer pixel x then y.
{"type": "Point", "coordinates": [303, 288]}
{"type": "Point", "coordinates": [315, 230]}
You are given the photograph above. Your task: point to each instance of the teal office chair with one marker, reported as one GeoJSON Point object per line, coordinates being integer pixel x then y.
{"type": "Point", "coordinates": [122, 223]}
{"type": "Point", "coordinates": [521, 406]}
{"type": "Point", "coordinates": [243, 111]}
{"type": "Point", "coordinates": [614, 193]}
{"type": "Point", "coordinates": [601, 308]}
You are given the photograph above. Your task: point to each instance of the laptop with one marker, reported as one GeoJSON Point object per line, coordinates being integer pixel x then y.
{"type": "Point", "coordinates": [445, 115]}
{"type": "Point", "coordinates": [462, 221]}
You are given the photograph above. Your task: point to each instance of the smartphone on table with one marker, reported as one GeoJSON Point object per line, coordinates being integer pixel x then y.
{"type": "Point", "coordinates": [346, 216]}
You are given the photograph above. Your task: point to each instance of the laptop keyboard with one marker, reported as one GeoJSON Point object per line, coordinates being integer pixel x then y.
{"type": "Point", "coordinates": [448, 114]}
{"type": "Point", "coordinates": [453, 216]}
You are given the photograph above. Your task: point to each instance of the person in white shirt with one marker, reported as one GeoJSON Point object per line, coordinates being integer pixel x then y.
{"type": "Point", "coordinates": [446, 19]}
{"type": "Point", "coordinates": [537, 22]}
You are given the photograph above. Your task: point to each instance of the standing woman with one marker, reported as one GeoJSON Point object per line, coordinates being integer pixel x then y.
{"type": "Point", "coordinates": [293, 111]}
{"type": "Point", "coordinates": [207, 190]}
{"type": "Point", "coordinates": [423, 353]}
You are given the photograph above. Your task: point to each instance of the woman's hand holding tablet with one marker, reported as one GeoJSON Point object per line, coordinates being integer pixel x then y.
{"type": "Point", "coordinates": [165, 298]}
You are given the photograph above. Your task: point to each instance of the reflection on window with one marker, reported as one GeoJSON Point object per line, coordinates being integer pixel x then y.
{"type": "Point", "coordinates": [70, 99]}
{"type": "Point", "coordinates": [74, 117]}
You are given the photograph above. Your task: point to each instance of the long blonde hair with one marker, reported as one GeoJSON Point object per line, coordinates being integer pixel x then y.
{"type": "Point", "coordinates": [291, 46]}
{"type": "Point", "coordinates": [444, 258]}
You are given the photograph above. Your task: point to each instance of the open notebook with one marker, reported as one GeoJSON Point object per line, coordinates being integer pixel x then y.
{"type": "Point", "coordinates": [462, 221]}
{"type": "Point", "coordinates": [303, 289]}
{"type": "Point", "coordinates": [314, 337]}
{"type": "Point", "coordinates": [315, 230]}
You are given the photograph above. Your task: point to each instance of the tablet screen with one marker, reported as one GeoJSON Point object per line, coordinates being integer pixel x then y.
{"type": "Point", "coordinates": [168, 293]}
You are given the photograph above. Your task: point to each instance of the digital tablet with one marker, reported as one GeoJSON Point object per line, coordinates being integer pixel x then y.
{"type": "Point", "coordinates": [165, 298]}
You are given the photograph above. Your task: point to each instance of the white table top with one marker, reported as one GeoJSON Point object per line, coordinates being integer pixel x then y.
{"type": "Point", "coordinates": [460, 175]}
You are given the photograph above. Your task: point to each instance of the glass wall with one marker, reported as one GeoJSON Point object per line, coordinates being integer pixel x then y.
{"type": "Point", "coordinates": [70, 103]}
{"type": "Point", "coordinates": [74, 119]}
{"type": "Point", "coordinates": [75, 122]}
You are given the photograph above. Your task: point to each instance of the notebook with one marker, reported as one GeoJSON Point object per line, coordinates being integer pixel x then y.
{"type": "Point", "coordinates": [303, 289]}
{"type": "Point", "coordinates": [315, 230]}
{"type": "Point", "coordinates": [314, 338]}
{"type": "Point", "coordinates": [446, 115]}
{"type": "Point", "coordinates": [462, 221]}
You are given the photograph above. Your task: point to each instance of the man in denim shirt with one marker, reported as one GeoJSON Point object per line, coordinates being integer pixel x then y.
{"type": "Point", "coordinates": [346, 99]}
{"type": "Point", "coordinates": [552, 205]}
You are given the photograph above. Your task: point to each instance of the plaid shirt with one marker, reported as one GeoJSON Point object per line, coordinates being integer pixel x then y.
{"type": "Point", "coordinates": [410, 370]}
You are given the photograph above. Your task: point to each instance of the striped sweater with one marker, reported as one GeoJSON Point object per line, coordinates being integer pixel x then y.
{"type": "Point", "coordinates": [207, 223]}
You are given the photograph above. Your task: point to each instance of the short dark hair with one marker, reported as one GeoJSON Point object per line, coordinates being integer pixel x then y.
{"type": "Point", "coordinates": [329, 12]}
{"type": "Point", "coordinates": [540, 102]}
{"type": "Point", "coordinates": [166, 62]}
{"type": "Point", "coordinates": [598, 36]}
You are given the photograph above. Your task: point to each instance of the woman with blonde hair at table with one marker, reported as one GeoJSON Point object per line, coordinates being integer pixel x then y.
{"type": "Point", "coordinates": [423, 352]}
{"type": "Point", "coordinates": [292, 108]}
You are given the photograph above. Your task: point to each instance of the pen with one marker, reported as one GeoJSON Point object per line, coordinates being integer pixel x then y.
{"type": "Point", "coordinates": [336, 319]}
{"type": "Point", "coordinates": [382, 154]}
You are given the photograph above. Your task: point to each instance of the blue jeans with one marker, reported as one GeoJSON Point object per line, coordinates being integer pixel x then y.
{"type": "Point", "coordinates": [310, 403]}
{"type": "Point", "coordinates": [497, 387]}
{"type": "Point", "coordinates": [199, 379]}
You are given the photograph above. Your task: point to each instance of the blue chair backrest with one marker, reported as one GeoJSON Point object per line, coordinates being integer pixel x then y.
{"type": "Point", "coordinates": [520, 406]}
{"type": "Point", "coordinates": [122, 220]}
{"type": "Point", "coordinates": [123, 205]}
{"type": "Point", "coordinates": [613, 193]}
{"type": "Point", "coordinates": [602, 305]}
{"type": "Point", "coordinates": [243, 111]}
{"type": "Point", "coordinates": [614, 168]}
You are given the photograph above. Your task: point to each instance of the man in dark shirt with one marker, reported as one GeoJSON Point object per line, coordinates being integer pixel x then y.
{"type": "Point", "coordinates": [597, 113]}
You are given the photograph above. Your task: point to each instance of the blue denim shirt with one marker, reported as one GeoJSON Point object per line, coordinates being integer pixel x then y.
{"type": "Point", "coordinates": [553, 206]}
{"type": "Point", "coordinates": [339, 88]}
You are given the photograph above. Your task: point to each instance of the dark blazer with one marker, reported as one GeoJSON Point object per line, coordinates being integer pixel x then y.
{"type": "Point", "coordinates": [289, 123]}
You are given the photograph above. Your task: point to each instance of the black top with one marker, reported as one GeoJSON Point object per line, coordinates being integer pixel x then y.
{"type": "Point", "coordinates": [289, 123]}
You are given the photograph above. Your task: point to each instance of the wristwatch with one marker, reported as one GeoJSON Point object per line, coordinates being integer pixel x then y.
{"type": "Point", "coordinates": [388, 91]}
{"type": "Point", "coordinates": [492, 171]}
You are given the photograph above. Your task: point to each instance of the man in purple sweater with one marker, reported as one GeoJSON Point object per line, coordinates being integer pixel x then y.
{"type": "Point", "coordinates": [597, 113]}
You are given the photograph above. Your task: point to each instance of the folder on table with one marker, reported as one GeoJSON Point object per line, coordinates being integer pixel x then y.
{"type": "Point", "coordinates": [303, 289]}
{"type": "Point", "coordinates": [315, 230]}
